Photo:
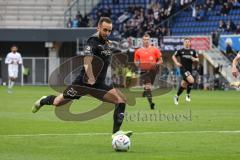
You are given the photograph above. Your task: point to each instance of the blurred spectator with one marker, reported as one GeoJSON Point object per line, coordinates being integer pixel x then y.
{"type": "Point", "coordinates": [229, 49]}
{"type": "Point", "coordinates": [79, 15]}
{"type": "Point", "coordinates": [84, 22]}
{"type": "Point", "coordinates": [123, 17]}
{"type": "Point", "coordinates": [194, 11]}
{"type": "Point", "coordinates": [230, 53]}
{"type": "Point", "coordinates": [136, 21]}
{"type": "Point", "coordinates": [165, 31]}
{"type": "Point", "coordinates": [225, 9]}
{"type": "Point", "coordinates": [158, 32]}
{"type": "Point", "coordinates": [230, 4]}
{"type": "Point", "coordinates": [210, 4]}
{"type": "Point", "coordinates": [75, 22]}
{"type": "Point", "coordinates": [238, 29]}
{"type": "Point", "coordinates": [222, 26]}
{"type": "Point", "coordinates": [200, 13]}
{"type": "Point", "coordinates": [184, 3]}
{"type": "Point", "coordinates": [215, 37]}
{"type": "Point", "coordinates": [236, 4]}
{"type": "Point", "coordinates": [220, 2]}
{"type": "Point", "coordinates": [156, 8]}
{"type": "Point", "coordinates": [231, 27]}
{"type": "Point", "coordinates": [69, 23]}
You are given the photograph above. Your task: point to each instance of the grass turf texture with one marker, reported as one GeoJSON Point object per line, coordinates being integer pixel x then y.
{"type": "Point", "coordinates": [172, 134]}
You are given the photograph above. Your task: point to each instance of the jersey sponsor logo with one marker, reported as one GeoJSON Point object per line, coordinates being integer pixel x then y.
{"type": "Point", "coordinates": [187, 56]}
{"type": "Point", "coordinates": [105, 50]}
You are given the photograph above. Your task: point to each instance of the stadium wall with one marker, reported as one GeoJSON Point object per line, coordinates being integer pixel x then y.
{"type": "Point", "coordinates": [45, 35]}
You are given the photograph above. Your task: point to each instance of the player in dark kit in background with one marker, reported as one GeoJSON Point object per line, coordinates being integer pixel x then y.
{"type": "Point", "coordinates": [187, 57]}
{"type": "Point", "coordinates": [98, 48]}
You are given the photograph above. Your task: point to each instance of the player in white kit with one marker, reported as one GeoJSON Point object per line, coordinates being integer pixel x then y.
{"type": "Point", "coordinates": [13, 59]}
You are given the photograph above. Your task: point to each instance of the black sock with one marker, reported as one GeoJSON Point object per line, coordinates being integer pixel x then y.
{"type": "Point", "coordinates": [144, 93]}
{"type": "Point", "coordinates": [180, 90]}
{"type": "Point", "coordinates": [149, 96]}
{"type": "Point", "coordinates": [48, 100]}
{"type": "Point", "coordinates": [189, 87]}
{"type": "Point", "coordinates": [118, 116]}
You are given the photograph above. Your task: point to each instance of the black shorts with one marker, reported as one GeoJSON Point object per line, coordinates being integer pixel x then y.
{"type": "Point", "coordinates": [75, 91]}
{"type": "Point", "coordinates": [185, 73]}
{"type": "Point", "coordinates": [148, 76]}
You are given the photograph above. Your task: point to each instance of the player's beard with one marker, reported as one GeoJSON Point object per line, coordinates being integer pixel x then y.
{"type": "Point", "coordinates": [103, 37]}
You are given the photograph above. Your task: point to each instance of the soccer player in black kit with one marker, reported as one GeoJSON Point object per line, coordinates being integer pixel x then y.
{"type": "Point", "coordinates": [187, 56]}
{"type": "Point", "coordinates": [98, 48]}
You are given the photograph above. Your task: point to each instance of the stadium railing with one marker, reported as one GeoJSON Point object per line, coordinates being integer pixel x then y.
{"type": "Point", "coordinates": [38, 71]}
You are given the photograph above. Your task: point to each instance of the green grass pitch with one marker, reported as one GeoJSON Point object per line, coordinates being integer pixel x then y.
{"type": "Point", "coordinates": [207, 128]}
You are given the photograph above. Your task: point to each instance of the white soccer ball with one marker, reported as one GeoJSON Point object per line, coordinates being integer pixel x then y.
{"type": "Point", "coordinates": [121, 143]}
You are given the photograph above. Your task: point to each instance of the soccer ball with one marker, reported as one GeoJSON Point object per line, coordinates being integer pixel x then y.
{"type": "Point", "coordinates": [121, 143]}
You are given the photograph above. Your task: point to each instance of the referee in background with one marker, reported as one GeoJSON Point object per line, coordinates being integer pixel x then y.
{"type": "Point", "coordinates": [147, 59]}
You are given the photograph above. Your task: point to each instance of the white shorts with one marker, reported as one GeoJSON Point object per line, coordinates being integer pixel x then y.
{"type": "Point", "coordinates": [13, 73]}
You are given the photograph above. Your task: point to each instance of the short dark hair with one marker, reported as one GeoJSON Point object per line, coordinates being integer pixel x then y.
{"type": "Point", "coordinates": [14, 46]}
{"type": "Point", "coordinates": [146, 35]}
{"type": "Point", "coordinates": [104, 19]}
{"type": "Point", "coordinates": [187, 38]}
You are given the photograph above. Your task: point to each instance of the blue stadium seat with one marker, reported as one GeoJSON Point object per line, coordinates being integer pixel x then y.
{"type": "Point", "coordinates": [217, 8]}
{"type": "Point", "coordinates": [183, 23]}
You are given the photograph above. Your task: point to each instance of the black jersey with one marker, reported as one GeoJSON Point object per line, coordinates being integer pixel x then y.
{"type": "Point", "coordinates": [185, 58]}
{"type": "Point", "coordinates": [101, 51]}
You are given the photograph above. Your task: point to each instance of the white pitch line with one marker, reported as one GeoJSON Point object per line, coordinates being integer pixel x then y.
{"type": "Point", "coordinates": [57, 134]}
{"type": "Point", "coordinates": [188, 132]}
{"type": "Point", "coordinates": [108, 134]}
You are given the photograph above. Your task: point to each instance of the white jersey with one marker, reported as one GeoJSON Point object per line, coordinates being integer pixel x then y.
{"type": "Point", "coordinates": [13, 60]}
